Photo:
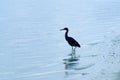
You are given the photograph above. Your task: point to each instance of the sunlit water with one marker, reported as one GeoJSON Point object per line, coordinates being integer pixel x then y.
{"type": "Point", "coordinates": [33, 48]}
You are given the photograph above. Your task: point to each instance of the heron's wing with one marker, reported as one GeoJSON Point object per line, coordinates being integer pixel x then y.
{"type": "Point", "coordinates": [73, 42]}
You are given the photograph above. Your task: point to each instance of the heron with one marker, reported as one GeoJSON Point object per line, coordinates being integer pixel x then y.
{"type": "Point", "coordinates": [71, 41]}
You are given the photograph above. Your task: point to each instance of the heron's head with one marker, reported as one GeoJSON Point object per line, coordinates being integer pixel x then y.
{"type": "Point", "coordinates": [64, 29]}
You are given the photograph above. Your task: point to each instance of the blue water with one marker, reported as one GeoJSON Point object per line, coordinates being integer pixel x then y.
{"type": "Point", "coordinates": [33, 48]}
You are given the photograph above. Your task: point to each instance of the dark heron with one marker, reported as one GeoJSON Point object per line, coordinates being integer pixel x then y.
{"type": "Point", "coordinates": [72, 42]}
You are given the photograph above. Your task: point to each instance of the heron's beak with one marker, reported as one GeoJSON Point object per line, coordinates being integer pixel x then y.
{"type": "Point", "coordinates": [62, 29]}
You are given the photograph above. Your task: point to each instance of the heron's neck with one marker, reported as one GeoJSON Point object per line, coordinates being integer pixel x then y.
{"type": "Point", "coordinates": [66, 34]}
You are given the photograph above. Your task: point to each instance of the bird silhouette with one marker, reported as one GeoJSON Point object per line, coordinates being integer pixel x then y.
{"type": "Point", "coordinates": [71, 41]}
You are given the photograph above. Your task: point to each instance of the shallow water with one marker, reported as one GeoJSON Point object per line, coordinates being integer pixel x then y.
{"type": "Point", "coordinates": [33, 48]}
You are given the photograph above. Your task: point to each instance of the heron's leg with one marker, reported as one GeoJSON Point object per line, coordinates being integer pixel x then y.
{"type": "Point", "coordinates": [72, 50]}
{"type": "Point", "coordinates": [74, 53]}
{"type": "Point", "coordinates": [72, 56]}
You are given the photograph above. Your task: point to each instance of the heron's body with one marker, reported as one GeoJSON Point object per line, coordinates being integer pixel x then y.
{"type": "Point", "coordinates": [72, 42]}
